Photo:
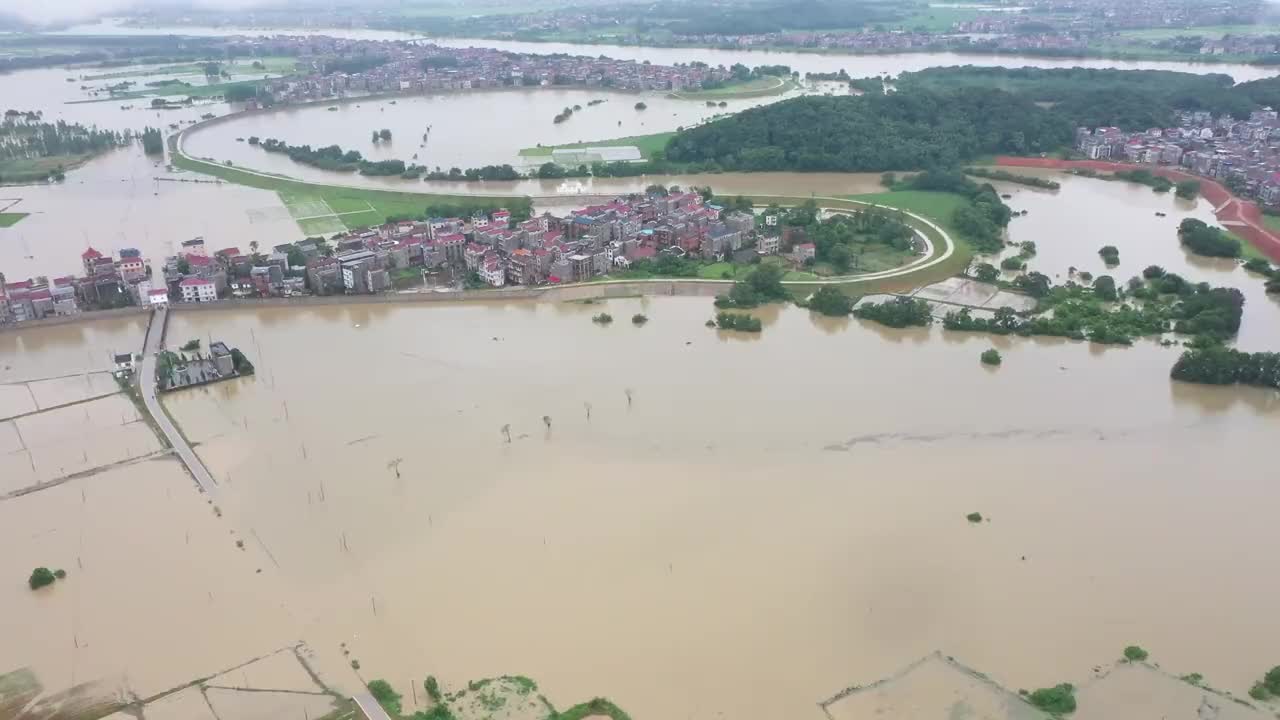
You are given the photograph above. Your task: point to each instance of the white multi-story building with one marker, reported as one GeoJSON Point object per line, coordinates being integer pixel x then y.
{"type": "Point", "coordinates": [493, 272]}
{"type": "Point", "coordinates": [158, 298]}
{"type": "Point", "coordinates": [198, 290]}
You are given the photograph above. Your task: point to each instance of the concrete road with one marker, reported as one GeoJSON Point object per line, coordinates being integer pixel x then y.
{"type": "Point", "coordinates": [147, 385]}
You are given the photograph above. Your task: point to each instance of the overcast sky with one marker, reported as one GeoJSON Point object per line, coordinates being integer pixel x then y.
{"type": "Point", "coordinates": [57, 10]}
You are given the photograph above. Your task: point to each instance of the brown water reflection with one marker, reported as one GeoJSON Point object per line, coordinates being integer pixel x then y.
{"type": "Point", "coordinates": [785, 512]}
{"type": "Point", "coordinates": [480, 550]}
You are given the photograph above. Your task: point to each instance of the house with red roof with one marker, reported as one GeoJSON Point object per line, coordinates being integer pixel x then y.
{"type": "Point", "coordinates": [88, 258]}
{"type": "Point", "coordinates": [194, 289]}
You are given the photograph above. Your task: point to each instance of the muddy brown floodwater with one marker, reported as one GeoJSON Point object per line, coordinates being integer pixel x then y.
{"type": "Point", "coordinates": [784, 514]}
{"type": "Point", "coordinates": [711, 524]}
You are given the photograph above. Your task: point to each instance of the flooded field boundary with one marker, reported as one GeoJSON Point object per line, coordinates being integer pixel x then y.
{"type": "Point", "coordinates": [37, 411]}
{"type": "Point", "coordinates": [935, 656]}
{"type": "Point", "coordinates": [55, 482]}
{"type": "Point", "coordinates": [1242, 217]}
{"type": "Point", "coordinates": [1099, 675]}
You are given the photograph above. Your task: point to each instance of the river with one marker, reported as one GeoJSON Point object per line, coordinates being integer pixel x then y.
{"type": "Point", "coordinates": [804, 62]}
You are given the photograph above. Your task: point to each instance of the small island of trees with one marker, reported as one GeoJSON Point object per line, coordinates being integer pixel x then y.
{"type": "Point", "coordinates": [738, 321]}
{"type": "Point", "coordinates": [1201, 239]}
{"type": "Point", "coordinates": [42, 576]}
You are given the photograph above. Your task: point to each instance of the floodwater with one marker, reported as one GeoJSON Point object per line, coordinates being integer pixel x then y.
{"type": "Point", "coordinates": [125, 199]}
{"type": "Point", "coordinates": [1070, 225]}
{"type": "Point", "coordinates": [467, 129]}
{"type": "Point", "coordinates": [721, 531]}
{"type": "Point", "coordinates": [856, 65]}
{"type": "Point", "coordinates": [701, 513]}
{"type": "Point", "coordinates": [782, 511]}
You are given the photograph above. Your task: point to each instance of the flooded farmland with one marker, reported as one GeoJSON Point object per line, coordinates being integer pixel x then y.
{"type": "Point", "coordinates": [692, 523]}
{"type": "Point", "coordinates": [719, 531]}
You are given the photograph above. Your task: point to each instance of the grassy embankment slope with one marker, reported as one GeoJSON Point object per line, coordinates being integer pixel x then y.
{"type": "Point", "coordinates": [646, 144]}
{"type": "Point", "coordinates": [9, 219]}
{"type": "Point", "coordinates": [755, 87]}
{"type": "Point", "coordinates": [27, 170]}
{"type": "Point", "coordinates": [326, 209]}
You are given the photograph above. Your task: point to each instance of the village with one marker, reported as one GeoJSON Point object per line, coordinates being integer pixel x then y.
{"type": "Point", "coordinates": [484, 250]}
{"type": "Point", "coordinates": [336, 67]}
{"type": "Point", "coordinates": [1240, 153]}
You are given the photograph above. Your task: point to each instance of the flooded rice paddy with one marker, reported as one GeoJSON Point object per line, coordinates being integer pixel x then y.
{"type": "Point", "coordinates": [782, 512]}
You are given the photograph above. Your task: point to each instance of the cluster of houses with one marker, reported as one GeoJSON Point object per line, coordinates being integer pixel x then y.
{"type": "Point", "coordinates": [489, 247]}
{"type": "Point", "coordinates": [419, 67]}
{"type": "Point", "coordinates": [546, 249]}
{"type": "Point", "coordinates": [1243, 154]}
{"type": "Point", "coordinates": [106, 282]}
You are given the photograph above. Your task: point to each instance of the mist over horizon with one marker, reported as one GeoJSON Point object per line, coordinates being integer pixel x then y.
{"type": "Point", "coordinates": [60, 11]}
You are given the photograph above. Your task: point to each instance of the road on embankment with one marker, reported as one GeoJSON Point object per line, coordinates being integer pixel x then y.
{"type": "Point", "coordinates": [147, 385]}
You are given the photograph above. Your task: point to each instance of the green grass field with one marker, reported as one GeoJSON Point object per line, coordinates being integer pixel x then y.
{"type": "Point", "coordinates": [646, 144]}
{"type": "Point", "coordinates": [1213, 31]}
{"type": "Point", "coordinates": [936, 19]}
{"type": "Point", "coordinates": [326, 209]}
{"type": "Point", "coordinates": [756, 87]}
{"type": "Point", "coordinates": [9, 219]}
{"type": "Point", "coordinates": [36, 169]}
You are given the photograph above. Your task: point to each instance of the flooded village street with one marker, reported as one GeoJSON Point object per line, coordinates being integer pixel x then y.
{"type": "Point", "coordinates": [690, 522]}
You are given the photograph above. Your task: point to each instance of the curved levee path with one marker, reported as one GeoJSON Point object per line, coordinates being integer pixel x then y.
{"type": "Point", "coordinates": [933, 257]}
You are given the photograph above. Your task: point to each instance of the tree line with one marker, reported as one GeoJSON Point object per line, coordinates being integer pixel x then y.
{"type": "Point", "coordinates": [898, 131]}
{"type": "Point", "coordinates": [1089, 97]}
{"type": "Point", "coordinates": [332, 157]}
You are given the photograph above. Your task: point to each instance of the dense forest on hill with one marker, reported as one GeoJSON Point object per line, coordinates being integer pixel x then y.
{"type": "Point", "coordinates": [1130, 99]}
{"type": "Point", "coordinates": [902, 130]}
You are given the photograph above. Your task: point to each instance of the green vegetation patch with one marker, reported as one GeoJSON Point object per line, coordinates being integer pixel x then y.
{"type": "Point", "coordinates": [9, 219]}
{"type": "Point", "coordinates": [648, 145]}
{"type": "Point", "coordinates": [1058, 700]}
{"type": "Point", "coordinates": [354, 207]}
{"type": "Point", "coordinates": [755, 87]}
{"type": "Point", "coordinates": [1133, 653]}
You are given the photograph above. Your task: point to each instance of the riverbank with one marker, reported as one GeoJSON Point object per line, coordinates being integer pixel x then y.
{"type": "Point", "coordinates": [317, 207]}
{"type": "Point", "coordinates": [1242, 217]}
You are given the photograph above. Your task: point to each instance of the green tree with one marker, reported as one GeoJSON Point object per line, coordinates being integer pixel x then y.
{"type": "Point", "coordinates": [831, 301]}
{"type": "Point", "coordinates": [433, 689]}
{"type": "Point", "coordinates": [40, 577]}
{"type": "Point", "coordinates": [986, 272]}
{"type": "Point", "coordinates": [1202, 239]}
{"type": "Point", "coordinates": [152, 143]}
{"type": "Point", "coordinates": [991, 357]}
{"type": "Point", "coordinates": [1187, 189]}
{"type": "Point", "coordinates": [1058, 700]}
{"type": "Point", "coordinates": [1104, 287]}
{"type": "Point", "coordinates": [1133, 653]}
{"type": "Point", "coordinates": [386, 696]}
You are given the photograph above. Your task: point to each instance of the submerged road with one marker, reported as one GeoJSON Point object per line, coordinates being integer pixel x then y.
{"type": "Point", "coordinates": [147, 386]}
